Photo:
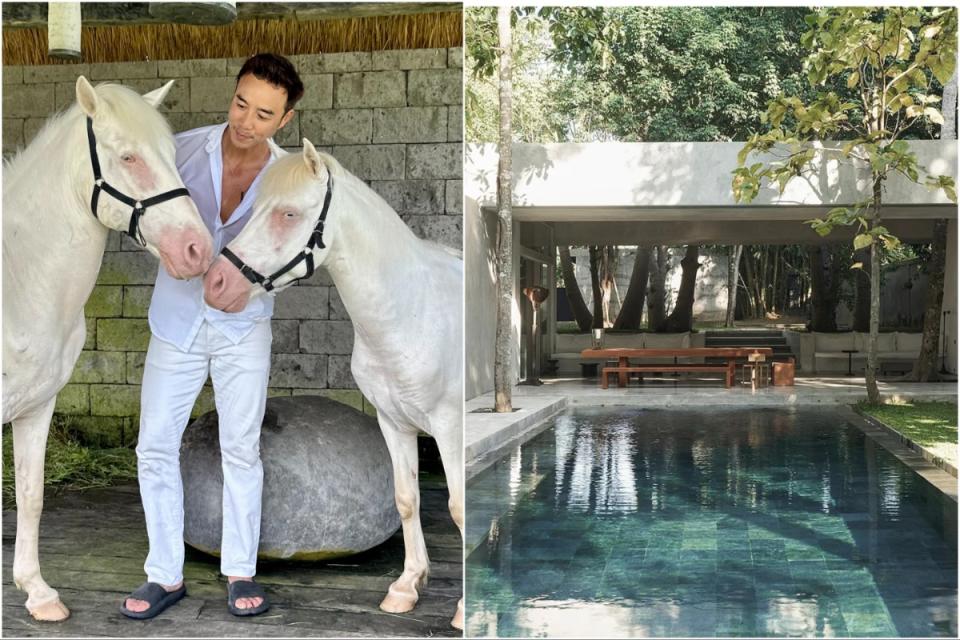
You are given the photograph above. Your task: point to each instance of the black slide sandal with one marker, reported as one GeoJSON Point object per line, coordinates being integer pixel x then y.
{"type": "Point", "coordinates": [246, 589]}
{"type": "Point", "coordinates": [156, 596]}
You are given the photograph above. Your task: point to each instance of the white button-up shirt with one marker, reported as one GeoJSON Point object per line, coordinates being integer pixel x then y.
{"type": "Point", "coordinates": [177, 309]}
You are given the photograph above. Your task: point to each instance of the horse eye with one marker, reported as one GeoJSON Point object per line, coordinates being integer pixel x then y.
{"type": "Point", "coordinates": [129, 158]}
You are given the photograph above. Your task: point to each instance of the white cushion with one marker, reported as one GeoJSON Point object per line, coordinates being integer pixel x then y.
{"type": "Point", "coordinates": [834, 341]}
{"type": "Point", "coordinates": [666, 340]}
{"type": "Point", "coordinates": [909, 342]}
{"type": "Point", "coordinates": [885, 342]}
{"type": "Point", "coordinates": [896, 355]}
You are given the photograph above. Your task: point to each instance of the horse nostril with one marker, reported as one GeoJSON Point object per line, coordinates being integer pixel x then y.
{"type": "Point", "coordinates": [192, 255]}
{"type": "Point", "coordinates": [219, 283]}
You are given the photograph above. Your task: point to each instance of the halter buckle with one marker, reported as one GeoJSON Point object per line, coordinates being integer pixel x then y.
{"type": "Point", "coordinates": [98, 182]}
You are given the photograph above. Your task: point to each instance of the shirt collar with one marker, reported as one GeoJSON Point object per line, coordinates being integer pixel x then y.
{"type": "Point", "coordinates": [214, 137]}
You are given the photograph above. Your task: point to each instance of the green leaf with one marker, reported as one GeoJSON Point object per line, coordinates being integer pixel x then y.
{"type": "Point", "coordinates": [853, 79]}
{"type": "Point", "coordinates": [862, 241]}
{"type": "Point", "coordinates": [890, 242]}
{"type": "Point", "coordinates": [951, 193]}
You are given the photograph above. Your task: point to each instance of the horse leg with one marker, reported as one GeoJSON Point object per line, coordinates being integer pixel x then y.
{"type": "Point", "coordinates": [450, 444]}
{"type": "Point", "coordinates": [29, 448]}
{"type": "Point", "coordinates": [404, 592]}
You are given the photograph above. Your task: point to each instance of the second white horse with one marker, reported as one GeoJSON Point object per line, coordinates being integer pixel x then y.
{"type": "Point", "coordinates": [404, 296]}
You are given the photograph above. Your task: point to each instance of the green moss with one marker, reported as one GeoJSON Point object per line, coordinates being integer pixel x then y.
{"type": "Point", "coordinates": [271, 554]}
{"type": "Point", "coordinates": [136, 301]}
{"type": "Point", "coordinates": [120, 334]}
{"type": "Point", "coordinates": [104, 302]}
{"type": "Point", "coordinates": [99, 431]}
{"type": "Point", "coordinates": [114, 399]}
{"type": "Point", "coordinates": [74, 399]}
{"type": "Point", "coordinates": [932, 425]}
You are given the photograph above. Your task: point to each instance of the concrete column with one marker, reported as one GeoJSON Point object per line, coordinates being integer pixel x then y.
{"type": "Point", "coordinates": [550, 344]}
{"type": "Point", "coordinates": [949, 333]}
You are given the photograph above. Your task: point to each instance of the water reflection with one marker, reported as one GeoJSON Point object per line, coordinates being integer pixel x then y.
{"type": "Point", "coordinates": [637, 523]}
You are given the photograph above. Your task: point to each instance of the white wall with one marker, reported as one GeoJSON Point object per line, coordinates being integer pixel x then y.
{"type": "Point", "coordinates": [575, 177]}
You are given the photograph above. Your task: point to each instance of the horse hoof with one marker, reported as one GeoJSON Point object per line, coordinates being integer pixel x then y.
{"type": "Point", "coordinates": [54, 611]}
{"type": "Point", "coordinates": [398, 602]}
{"type": "Point", "coordinates": [457, 622]}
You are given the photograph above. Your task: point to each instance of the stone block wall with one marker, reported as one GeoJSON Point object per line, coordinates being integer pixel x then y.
{"type": "Point", "coordinates": [393, 118]}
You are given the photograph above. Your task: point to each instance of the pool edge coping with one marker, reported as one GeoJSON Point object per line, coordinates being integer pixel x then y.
{"type": "Point", "coordinates": [896, 443]}
{"type": "Point", "coordinates": [928, 455]}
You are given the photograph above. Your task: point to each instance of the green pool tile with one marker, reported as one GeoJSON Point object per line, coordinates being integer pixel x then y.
{"type": "Point", "coordinates": [764, 554]}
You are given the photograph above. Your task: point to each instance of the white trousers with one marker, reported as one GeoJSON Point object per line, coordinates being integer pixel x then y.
{"type": "Point", "coordinates": [172, 380]}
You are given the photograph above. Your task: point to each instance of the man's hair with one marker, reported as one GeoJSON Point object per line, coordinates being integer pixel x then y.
{"type": "Point", "coordinates": [278, 71]}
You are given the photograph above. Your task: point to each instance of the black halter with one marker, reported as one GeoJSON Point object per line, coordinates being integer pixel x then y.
{"type": "Point", "coordinates": [139, 206]}
{"type": "Point", "coordinates": [315, 242]}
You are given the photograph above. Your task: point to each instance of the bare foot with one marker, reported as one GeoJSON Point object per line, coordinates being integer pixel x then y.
{"type": "Point", "coordinates": [245, 603]}
{"type": "Point", "coordinates": [142, 605]}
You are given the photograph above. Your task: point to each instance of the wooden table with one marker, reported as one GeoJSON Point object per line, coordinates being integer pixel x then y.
{"type": "Point", "coordinates": [624, 368]}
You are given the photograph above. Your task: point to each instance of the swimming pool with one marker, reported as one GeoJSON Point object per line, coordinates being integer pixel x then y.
{"type": "Point", "coordinates": [623, 522]}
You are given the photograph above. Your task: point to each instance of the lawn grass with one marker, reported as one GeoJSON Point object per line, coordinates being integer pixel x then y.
{"type": "Point", "coordinates": [932, 425]}
{"type": "Point", "coordinates": [71, 465]}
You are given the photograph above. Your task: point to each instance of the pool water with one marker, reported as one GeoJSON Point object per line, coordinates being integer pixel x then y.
{"type": "Point", "coordinates": [622, 522]}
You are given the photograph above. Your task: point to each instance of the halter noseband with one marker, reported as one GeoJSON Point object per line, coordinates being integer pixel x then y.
{"type": "Point", "coordinates": [139, 207]}
{"type": "Point", "coordinates": [315, 242]}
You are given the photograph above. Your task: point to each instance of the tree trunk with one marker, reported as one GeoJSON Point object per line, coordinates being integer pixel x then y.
{"type": "Point", "coordinates": [504, 370]}
{"type": "Point", "coordinates": [873, 392]}
{"type": "Point", "coordinates": [608, 281]}
{"type": "Point", "coordinates": [733, 276]}
{"type": "Point", "coordinates": [861, 308]}
{"type": "Point", "coordinates": [657, 300]}
{"type": "Point", "coordinates": [824, 312]}
{"type": "Point", "coordinates": [949, 129]}
{"type": "Point", "coordinates": [595, 286]}
{"type": "Point", "coordinates": [575, 299]}
{"type": "Point", "coordinates": [747, 278]}
{"type": "Point", "coordinates": [681, 318]}
{"type": "Point", "coordinates": [632, 310]}
{"type": "Point", "coordinates": [925, 368]}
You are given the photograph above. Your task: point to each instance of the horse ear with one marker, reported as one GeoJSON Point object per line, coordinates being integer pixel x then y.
{"type": "Point", "coordinates": [87, 97]}
{"type": "Point", "coordinates": [155, 97]}
{"type": "Point", "coordinates": [312, 158]}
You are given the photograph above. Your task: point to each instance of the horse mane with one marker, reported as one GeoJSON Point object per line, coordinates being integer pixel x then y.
{"type": "Point", "coordinates": [290, 173]}
{"type": "Point", "coordinates": [126, 109]}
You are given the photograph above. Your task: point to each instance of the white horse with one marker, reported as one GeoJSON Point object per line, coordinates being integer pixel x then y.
{"type": "Point", "coordinates": [404, 296]}
{"type": "Point", "coordinates": [55, 223]}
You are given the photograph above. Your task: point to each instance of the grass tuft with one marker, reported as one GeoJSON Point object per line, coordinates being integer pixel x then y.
{"type": "Point", "coordinates": [933, 425]}
{"type": "Point", "coordinates": [71, 465]}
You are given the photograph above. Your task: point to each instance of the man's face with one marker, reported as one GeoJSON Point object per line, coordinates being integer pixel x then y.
{"type": "Point", "coordinates": [257, 112]}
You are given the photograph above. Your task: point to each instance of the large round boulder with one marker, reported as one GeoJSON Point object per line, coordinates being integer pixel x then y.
{"type": "Point", "coordinates": [327, 481]}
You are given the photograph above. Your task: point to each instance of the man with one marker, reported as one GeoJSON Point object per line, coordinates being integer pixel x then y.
{"type": "Point", "coordinates": [222, 166]}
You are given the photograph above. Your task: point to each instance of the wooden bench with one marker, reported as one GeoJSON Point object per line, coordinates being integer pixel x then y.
{"type": "Point", "coordinates": [726, 369]}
